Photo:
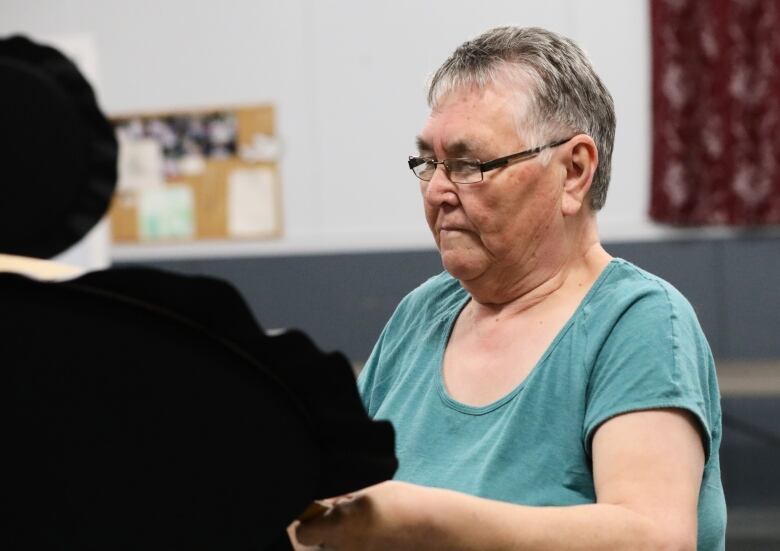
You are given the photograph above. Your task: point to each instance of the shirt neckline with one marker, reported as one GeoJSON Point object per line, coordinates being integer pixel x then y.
{"type": "Point", "coordinates": [467, 409]}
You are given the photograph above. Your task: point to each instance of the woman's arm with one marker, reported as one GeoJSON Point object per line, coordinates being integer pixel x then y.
{"type": "Point", "coordinates": [647, 469]}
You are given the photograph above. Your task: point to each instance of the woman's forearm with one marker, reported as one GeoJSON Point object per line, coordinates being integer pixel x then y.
{"type": "Point", "coordinates": [456, 521]}
{"type": "Point", "coordinates": [396, 515]}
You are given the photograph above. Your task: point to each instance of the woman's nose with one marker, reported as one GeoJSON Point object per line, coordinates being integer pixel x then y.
{"type": "Point", "coordinates": [440, 189]}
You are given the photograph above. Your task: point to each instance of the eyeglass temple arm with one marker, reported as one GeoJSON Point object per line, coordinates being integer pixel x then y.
{"type": "Point", "coordinates": [503, 161]}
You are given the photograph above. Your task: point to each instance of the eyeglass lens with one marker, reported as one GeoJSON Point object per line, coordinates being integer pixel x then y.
{"type": "Point", "coordinates": [459, 171]}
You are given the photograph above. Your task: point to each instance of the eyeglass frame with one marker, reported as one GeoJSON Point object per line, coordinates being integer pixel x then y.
{"type": "Point", "coordinates": [483, 167]}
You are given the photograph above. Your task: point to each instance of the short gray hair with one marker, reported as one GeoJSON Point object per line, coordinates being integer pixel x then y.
{"type": "Point", "coordinates": [565, 94]}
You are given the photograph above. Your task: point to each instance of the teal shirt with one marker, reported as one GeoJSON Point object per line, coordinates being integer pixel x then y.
{"type": "Point", "coordinates": [633, 343]}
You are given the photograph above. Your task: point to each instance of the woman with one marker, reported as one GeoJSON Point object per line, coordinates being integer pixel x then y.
{"type": "Point", "coordinates": [544, 394]}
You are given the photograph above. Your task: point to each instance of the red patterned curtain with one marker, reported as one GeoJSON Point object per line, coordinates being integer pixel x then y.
{"type": "Point", "coordinates": [716, 112]}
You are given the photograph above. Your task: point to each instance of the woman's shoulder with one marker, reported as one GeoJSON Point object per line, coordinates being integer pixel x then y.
{"type": "Point", "coordinates": [437, 294]}
{"type": "Point", "coordinates": [439, 285]}
{"type": "Point", "coordinates": [437, 299]}
{"type": "Point", "coordinates": [629, 298]}
{"type": "Point", "coordinates": [624, 285]}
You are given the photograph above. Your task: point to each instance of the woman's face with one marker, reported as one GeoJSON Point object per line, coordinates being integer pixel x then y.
{"type": "Point", "coordinates": [494, 229]}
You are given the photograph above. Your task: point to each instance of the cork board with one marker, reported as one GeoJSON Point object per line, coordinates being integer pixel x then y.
{"type": "Point", "coordinates": [197, 175]}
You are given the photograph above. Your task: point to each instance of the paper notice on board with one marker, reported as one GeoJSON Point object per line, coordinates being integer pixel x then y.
{"type": "Point", "coordinates": [166, 213]}
{"type": "Point", "coordinates": [140, 164]}
{"type": "Point", "coordinates": [251, 202]}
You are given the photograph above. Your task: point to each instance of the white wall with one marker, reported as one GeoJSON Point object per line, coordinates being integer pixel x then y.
{"type": "Point", "coordinates": [347, 78]}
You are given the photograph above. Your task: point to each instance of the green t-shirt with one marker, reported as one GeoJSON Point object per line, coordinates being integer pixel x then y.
{"type": "Point", "coordinates": [633, 343]}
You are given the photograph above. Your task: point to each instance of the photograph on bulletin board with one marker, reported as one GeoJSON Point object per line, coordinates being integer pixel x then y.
{"type": "Point", "coordinates": [197, 175]}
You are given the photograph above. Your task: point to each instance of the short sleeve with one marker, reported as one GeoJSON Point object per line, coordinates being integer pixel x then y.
{"type": "Point", "coordinates": [654, 356]}
{"type": "Point", "coordinates": [365, 381]}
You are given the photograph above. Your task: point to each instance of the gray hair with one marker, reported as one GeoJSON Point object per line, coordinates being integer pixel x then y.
{"type": "Point", "coordinates": [564, 93]}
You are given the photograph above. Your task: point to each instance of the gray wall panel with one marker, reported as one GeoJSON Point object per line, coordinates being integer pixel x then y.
{"type": "Point", "coordinates": [750, 451]}
{"type": "Point", "coordinates": [751, 298]}
{"type": "Point", "coordinates": [344, 300]}
{"type": "Point", "coordinates": [341, 301]}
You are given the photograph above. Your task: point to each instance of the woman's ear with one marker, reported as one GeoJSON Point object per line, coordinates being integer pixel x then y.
{"type": "Point", "coordinates": [581, 162]}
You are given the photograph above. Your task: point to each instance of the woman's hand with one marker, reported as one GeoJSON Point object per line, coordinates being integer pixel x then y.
{"type": "Point", "coordinates": [388, 516]}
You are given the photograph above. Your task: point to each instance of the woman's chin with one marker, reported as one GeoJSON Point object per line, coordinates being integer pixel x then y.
{"type": "Point", "coordinates": [462, 267]}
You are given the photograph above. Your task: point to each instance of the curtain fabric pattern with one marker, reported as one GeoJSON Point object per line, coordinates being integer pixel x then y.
{"type": "Point", "coordinates": [716, 112]}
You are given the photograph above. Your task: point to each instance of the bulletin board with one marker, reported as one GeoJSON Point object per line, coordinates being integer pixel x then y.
{"type": "Point", "coordinates": [197, 175]}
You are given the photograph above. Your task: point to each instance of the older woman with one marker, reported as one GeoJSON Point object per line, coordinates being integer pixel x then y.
{"type": "Point", "coordinates": [544, 394]}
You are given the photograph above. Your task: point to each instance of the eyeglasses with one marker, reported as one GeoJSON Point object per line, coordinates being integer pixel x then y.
{"type": "Point", "coordinates": [471, 171]}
